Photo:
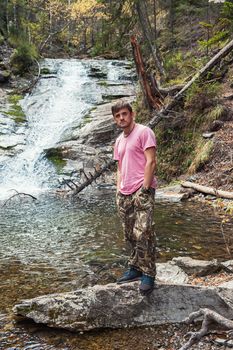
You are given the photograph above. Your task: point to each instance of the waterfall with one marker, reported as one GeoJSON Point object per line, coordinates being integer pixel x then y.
{"type": "Point", "coordinates": [57, 102]}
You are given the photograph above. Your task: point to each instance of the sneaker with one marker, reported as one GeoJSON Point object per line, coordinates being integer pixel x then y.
{"type": "Point", "coordinates": [147, 284]}
{"type": "Point", "coordinates": [129, 276]}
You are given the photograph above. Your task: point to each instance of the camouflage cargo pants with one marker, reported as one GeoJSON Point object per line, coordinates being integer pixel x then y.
{"type": "Point", "coordinates": [136, 212]}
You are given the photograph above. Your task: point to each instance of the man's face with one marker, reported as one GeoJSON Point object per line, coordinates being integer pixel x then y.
{"type": "Point", "coordinates": [124, 118]}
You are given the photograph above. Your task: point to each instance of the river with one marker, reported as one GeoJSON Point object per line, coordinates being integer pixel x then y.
{"type": "Point", "coordinates": [56, 244]}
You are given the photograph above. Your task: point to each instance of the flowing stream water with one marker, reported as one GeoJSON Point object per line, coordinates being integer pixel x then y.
{"type": "Point", "coordinates": [56, 244]}
{"type": "Point", "coordinates": [57, 103]}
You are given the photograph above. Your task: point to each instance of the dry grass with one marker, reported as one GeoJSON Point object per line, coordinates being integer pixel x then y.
{"type": "Point", "coordinates": [203, 152]}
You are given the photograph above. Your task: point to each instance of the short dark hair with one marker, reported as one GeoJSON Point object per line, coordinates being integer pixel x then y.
{"type": "Point", "coordinates": [121, 104]}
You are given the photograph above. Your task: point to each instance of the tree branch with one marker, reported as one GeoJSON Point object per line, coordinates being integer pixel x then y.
{"type": "Point", "coordinates": [18, 194]}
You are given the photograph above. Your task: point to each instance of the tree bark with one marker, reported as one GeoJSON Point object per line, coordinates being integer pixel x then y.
{"type": "Point", "coordinates": [208, 190]}
{"type": "Point", "coordinates": [148, 35]}
{"type": "Point", "coordinates": [93, 177]}
{"type": "Point", "coordinates": [209, 317]}
{"type": "Point", "coordinates": [42, 45]}
{"type": "Point", "coordinates": [152, 100]}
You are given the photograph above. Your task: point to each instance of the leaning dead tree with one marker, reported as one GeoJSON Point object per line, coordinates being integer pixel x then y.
{"type": "Point", "coordinates": [210, 319]}
{"type": "Point", "coordinates": [92, 177]}
{"type": "Point", "coordinates": [160, 112]}
{"type": "Point", "coordinates": [148, 35]}
{"type": "Point", "coordinates": [151, 92]}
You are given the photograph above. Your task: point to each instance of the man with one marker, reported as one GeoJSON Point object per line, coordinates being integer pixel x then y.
{"type": "Point", "coordinates": [135, 151]}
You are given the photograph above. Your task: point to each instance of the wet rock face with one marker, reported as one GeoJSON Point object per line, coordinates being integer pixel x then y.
{"type": "Point", "coordinates": [100, 129]}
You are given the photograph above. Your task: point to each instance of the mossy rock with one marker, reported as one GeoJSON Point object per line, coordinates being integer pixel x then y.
{"type": "Point", "coordinates": [96, 72]}
{"type": "Point", "coordinates": [103, 83]}
{"type": "Point", "coordinates": [3, 66]}
{"type": "Point", "coordinates": [16, 110]}
{"type": "Point", "coordinates": [54, 155]}
{"type": "Point", "coordinates": [4, 76]}
{"type": "Point", "coordinates": [17, 114]}
{"type": "Point", "coordinates": [14, 99]}
{"type": "Point", "coordinates": [45, 70]}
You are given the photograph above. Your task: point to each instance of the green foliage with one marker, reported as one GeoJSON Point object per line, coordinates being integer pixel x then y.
{"type": "Point", "coordinates": [201, 96]}
{"type": "Point", "coordinates": [215, 113]}
{"type": "Point", "coordinates": [227, 10]}
{"type": "Point", "coordinates": [175, 151]}
{"type": "Point", "coordinates": [179, 64]}
{"type": "Point", "coordinates": [23, 57]}
{"type": "Point", "coordinates": [215, 39]}
{"type": "Point", "coordinates": [14, 99]}
{"type": "Point", "coordinates": [182, 147]}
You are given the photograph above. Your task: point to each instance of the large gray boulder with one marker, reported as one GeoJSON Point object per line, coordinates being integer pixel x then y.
{"type": "Point", "coordinates": [117, 306]}
{"type": "Point", "coordinates": [197, 267]}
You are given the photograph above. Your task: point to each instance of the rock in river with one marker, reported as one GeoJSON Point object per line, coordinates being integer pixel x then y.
{"type": "Point", "coordinates": [118, 306]}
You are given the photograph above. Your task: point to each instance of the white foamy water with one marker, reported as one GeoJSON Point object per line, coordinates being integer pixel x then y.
{"type": "Point", "coordinates": [55, 105]}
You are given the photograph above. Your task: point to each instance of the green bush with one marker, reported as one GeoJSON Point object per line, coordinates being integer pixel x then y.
{"type": "Point", "coordinates": [23, 57]}
{"type": "Point", "coordinates": [202, 95]}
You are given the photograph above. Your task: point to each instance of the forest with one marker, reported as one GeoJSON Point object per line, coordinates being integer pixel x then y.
{"type": "Point", "coordinates": [171, 29]}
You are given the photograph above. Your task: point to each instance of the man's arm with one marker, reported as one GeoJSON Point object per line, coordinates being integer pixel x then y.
{"type": "Point", "coordinates": [118, 178]}
{"type": "Point", "coordinates": [150, 154]}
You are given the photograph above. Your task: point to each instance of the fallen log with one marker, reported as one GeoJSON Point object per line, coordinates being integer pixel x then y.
{"type": "Point", "coordinates": [93, 177]}
{"type": "Point", "coordinates": [162, 114]}
{"type": "Point", "coordinates": [200, 74]}
{"type": "Point", "coordinates": [119, 306]}
{"type": "Point", "coordinates": [208, 190]}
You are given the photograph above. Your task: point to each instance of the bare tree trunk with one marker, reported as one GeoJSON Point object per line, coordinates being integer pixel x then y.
{"type": "Point", "coordinates": [7, 19]}
{"type": "Point", "coordinates": [147, 33]}
{"type": "Point", "coordinates": [152, 100]}
{"type": "Point", "coordinates": [155, 19]}
{"type": "Point", "coordinates": [208, 190]}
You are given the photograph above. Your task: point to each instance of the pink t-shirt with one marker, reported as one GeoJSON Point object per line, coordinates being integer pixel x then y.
{"type": "Point", "coordinates": [129, 152]}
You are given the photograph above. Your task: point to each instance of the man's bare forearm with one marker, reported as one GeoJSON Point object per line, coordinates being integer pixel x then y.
{"type": "Point", "coordinates": [118, 179]}
{"type": "Point", "coordinates": [149, 173]}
